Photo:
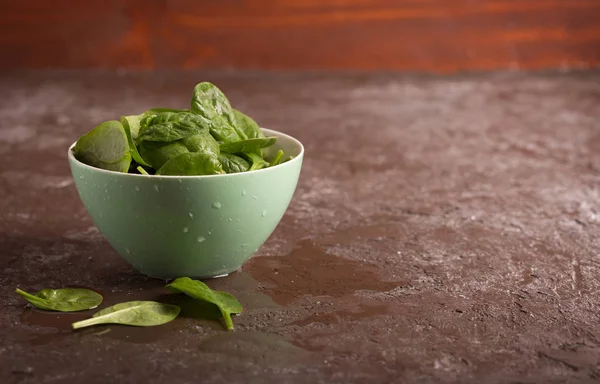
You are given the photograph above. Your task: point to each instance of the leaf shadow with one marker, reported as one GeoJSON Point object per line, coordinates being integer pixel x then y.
{"type": "Point", "coordinates": [193, 308]}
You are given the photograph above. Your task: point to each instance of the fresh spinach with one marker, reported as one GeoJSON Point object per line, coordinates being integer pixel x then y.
{"type": "Point", "coordinates": [106, 146]}
{"type": "Point", "coordinates": [168, 126]}
{"type": "Point", "coordinates": [158, 153]}
{"type": "Point", "coordinates": [64, 299]}
{"type": "Point", "coordinates": [209, 138]}
{"type": "Point", "coordinates": [125, 121]}
{"type": "Point", "coordinates": [226, 303]}
{"type": "Point", "coordinates": [136, 313]}
{"type": "Point", "coordinates": [247, 125]}
{"type": "Point", "coordinates": [248, 145]}
{"type": "Point", "coordinates": [233, 164]}
{"type": "Point", "coordinates": [210, 102]}
{"type": "Point", "coordinates": [277, 159]}
{"type": "Point", "coordinates": [191, 164]}
{"type": "Point", "coordinates": [256, 160]}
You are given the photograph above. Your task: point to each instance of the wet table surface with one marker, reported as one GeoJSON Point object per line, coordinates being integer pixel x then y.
{"type": "Point", "coordinates": [444, 229]}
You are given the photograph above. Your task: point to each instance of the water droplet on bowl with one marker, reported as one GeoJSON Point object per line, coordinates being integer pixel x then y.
{"type": "Point", "coordinates": [81, 176]}
{"type": "Point", "coordinates": [137, 188]}
{"type": "Point", "coordinates": [216, 205]}
{"type": "Point", "coordinates": [209, 232]}
{"type": "Point", "coordinates": [264, 213]}
{"type": "Point", "coordinates": [128, 251]}
{"type": "Point", "coordinates": [191, 215]}
{"type": "Point", "coordinates": [181, 181]}
{"type": "Point", "coordinates": [254, 197]}
{"type": "Point", "coordinates": [244, 192]}
{"type": "Point", "coordinates": [238, 220]}
{"type": "Point", "coordinates": [185, 229]}
{"type": "Point", "coordinates": [200, 239]}
{"type": "Point", "coordinates": [156, 188]}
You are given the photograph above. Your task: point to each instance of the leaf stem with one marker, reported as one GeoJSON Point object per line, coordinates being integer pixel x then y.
{"type": "Point", "coordinates": [142, 170]}
{"type": "Point", "coordinates": [26, 295]}
{"type": "Point", "coordinates": [85, 323]}
{"type": "Point", "coordinates": [228, 321]}
{"type": "Point", "coordinates": [277, 158]}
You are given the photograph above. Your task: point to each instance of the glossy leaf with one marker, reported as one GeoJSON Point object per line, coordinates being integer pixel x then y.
{"type": "Point", "coordinates": [64, 299]}
{"type": "Point", "coordinates": [247, 125]}
{"type": "Point", "coordinates": [256, 160]}
{"type": "Point", "coordinates": [208, 101]}
{"type": "Point", "coordinates": [135, 120]}
{"type": "Point", "coordinates": [191, 164]}
{"type": "Point", "coordinates": [226, 303]}
{"type": "Point", "coordinates": [125, 121]}
{"type": "Point", "coordinates": [158, 153]}
{"type": "Point", "coordinates": [136, 313]}
{"type": "Point", "coordinates": [233, 164]}
{"type": "Point", "coordinates": [106, 146]}
{"type": "Point", "coordinates": [169, 126]}
{"type": "Point", "coordinates": [248, 145]}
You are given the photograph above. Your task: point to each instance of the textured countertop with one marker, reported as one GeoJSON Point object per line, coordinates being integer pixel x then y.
{"type": "Point", "coordinates": [444, 229]}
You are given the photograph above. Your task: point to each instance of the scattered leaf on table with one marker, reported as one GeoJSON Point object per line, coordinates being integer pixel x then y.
{"type": "Point", "coordinates": [226, 303]}
{"type": "Point", "coordinates": [64, 299]}
{"type": "Point", "coordinates": [136, 313]}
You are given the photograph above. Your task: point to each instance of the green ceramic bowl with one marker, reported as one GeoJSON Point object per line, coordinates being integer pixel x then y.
{"type": "Point", "coordinates": [197, 226]}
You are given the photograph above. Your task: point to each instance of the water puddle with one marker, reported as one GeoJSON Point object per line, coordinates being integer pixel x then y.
{"type": "Point", "coordinates": [308, 270]}
{"type": "Point", "coordinates": [345, 315]}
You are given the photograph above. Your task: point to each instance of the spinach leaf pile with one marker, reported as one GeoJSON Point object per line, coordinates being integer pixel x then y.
{"type": "Point", "coordinates": [208, 139]}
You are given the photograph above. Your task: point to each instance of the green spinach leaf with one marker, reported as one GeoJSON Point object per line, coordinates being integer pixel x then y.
{"type": "Point", "coordinates": [248, 145]}
{"type": "Point", "coordinates": [191, 164]}
{"type": "Point", "coordinates": [169, 126]}
{"type": "Point", "coordinates": [125, 121]}
{"type": "Point", "coordinates": [106, 146]}
{"type": "Point", "coordinates": [256, 160]}
{"type": "Point", "coordinates": [134, 120]}
{"type": "Point", "coordinates": [210, 102]}
{"type": "Point", "coordinates": [202, 142]}
{"type": "Point", "coordinates": [233, 164]}
{"type": "Point", "coordinates": [137, 313]}
{"type": "Point", "coordinates": [247, 125]}
{"type": "Point", "coordinates": [64, 299]}
{"type": "Point", "coordinates": [158, 153]}
{"type": "Point", "coordinates": [226, 302]}
{"type": "Point", "coordinates": [277, 159]}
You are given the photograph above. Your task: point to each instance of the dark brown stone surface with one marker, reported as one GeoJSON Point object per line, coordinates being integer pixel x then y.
{"type": "Point", "coordinates": [443, 230]}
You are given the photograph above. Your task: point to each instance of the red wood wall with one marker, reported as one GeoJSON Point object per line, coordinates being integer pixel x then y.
{"type": "Point", "coordinates": [422, 35]}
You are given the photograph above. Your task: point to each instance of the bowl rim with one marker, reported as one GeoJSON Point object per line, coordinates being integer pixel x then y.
{"type": "Point", "coordinates": [297, 158]}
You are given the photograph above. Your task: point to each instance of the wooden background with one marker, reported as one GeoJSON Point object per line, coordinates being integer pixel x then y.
{"type": "Point", "coordinates": [421, 35]}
